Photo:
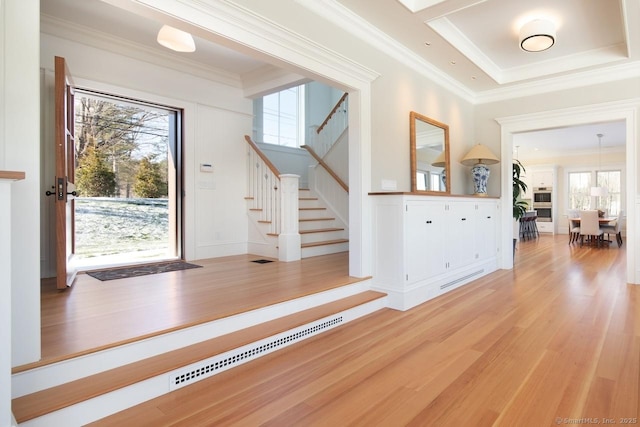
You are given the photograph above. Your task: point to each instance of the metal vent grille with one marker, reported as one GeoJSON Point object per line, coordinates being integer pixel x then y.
{"type": "Point", "coordinates": [461, 279]}
{"type": "Point", "coordinates": [222, 362]}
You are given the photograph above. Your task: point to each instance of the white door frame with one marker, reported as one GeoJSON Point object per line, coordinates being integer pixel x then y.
{"type": "Point", "coordinates": [628, 110]}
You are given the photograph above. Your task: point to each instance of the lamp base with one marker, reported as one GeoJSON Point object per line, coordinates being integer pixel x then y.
{"type": "Point", "coordinates": [480, 173]}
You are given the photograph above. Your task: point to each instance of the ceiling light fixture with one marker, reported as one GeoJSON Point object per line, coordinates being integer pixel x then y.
{"type": "Point", "coordinates": [175, 39]}
{"type": "Point", "coordinates": [537, 35]}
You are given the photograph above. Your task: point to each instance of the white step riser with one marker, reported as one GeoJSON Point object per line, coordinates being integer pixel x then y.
{"type": "Point", "coordinates": [314, 225]}
{"type": "Point", "coordinates": [324, 250]}
{"type": "Point", "coordinates": [309, 203]}
{"type": "Point", "coordinates": [314, 213]}
{"type": "Point", "coordinates": [37, 379]}
{"type": "Point", "coordinates": [323, 236]}
{"type": "Point", "coordinates": [118, 400]}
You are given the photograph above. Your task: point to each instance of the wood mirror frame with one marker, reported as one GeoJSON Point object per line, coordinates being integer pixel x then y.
{"type": "Point", "coordinates": [429, 154]}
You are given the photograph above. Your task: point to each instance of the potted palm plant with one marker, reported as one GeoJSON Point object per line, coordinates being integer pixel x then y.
{"type": "Point", "coordinates": [519, 205]}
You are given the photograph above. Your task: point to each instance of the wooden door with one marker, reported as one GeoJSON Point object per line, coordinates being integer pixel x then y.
{"type": "Point", "coordinates": [65, 174]}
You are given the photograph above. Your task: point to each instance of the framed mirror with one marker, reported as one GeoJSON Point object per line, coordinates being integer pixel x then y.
{"type": "Point", "coordinates": [429, 155]}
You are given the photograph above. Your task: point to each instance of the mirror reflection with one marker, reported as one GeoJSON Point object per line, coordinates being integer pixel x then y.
{"type": "Point", "coordinates": [429, 155]}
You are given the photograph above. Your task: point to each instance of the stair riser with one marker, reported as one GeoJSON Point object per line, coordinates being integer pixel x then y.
{"type": "Point", "coordinates": [314, 225]}
{"type": "Point", "coordinates": [323, 236]}
{"type": "Point", "coordinates": [118, 400]}
{"type": "Point", "coordinates": [324, 250]}
{"type": "Point", "coordinates": [309, 203]}
{"type": "Point", "coordinates": [27, 382]}
{"type": "Point", "coordinates": [313, 213]}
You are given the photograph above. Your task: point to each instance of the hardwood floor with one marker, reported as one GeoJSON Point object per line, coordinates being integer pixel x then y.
{"type": "Point", "coordinates": [94, 315]}
{"type": "Point", "coordinates": [555, 341]}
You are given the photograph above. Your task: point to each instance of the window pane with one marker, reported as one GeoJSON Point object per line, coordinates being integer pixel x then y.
{"type": "Point", "coordinates": [282, 114]}
{"type": "Point", "coordinates": [579, 190]}
{"type": "Point", "coordinates": [611, 181]}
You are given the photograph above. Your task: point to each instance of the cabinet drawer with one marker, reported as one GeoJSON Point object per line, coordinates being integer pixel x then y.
{"type": "Point", "coordinates": [545, 227]}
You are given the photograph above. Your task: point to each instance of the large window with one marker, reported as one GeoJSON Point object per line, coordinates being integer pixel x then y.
{"type": "Point", "coordinates": [611, 181]}
{"type": "Point", "coordinates": [580, 184]}
{"type": "Point", "coordinates": [282, 115]}
{"type": "Point", "coordinates": [579, 190]}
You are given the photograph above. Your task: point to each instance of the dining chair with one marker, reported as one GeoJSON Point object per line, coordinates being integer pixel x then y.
{"type": "Point", "coordinates": [614, 227]}
{"type": "Point", "coordinates": [590, 226]}
{"type": "Point", "coordinates": [574, 228]}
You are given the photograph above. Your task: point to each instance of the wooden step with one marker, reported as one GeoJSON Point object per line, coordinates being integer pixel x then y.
{"type": "Point", "coordinates": [63, 396]}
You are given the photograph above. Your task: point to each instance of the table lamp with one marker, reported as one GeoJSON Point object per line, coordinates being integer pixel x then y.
{"type": "Point", "coordinates": [479, 157]}
{"type": "Point", "coordinates": [441, 162]}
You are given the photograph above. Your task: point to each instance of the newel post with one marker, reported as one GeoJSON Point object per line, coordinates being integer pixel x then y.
{"type": "Point", "coordinates": [289, 238]}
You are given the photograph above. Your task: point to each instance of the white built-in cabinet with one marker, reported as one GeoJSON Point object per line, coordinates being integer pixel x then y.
{"type": "Point", "coordinates": [542, 178]}
{"type": "Point", "coordinates": [425, 246]}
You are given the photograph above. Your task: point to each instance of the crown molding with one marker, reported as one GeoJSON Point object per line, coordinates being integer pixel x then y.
{"type": "Point", "coordinates": [354, 24]}
{"type": "Point", "coordinates": [258, 36]}
{"type": "Point", "coordinates": [338, 14]}
{"type": "Point", "coordinates": [84, 35]}
{"type": "Point", "coordinates": [586, 78]}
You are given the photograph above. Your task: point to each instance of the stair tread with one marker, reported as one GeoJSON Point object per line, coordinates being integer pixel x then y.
{"type": "Point", "coordinates": [325, 242]}
{"type": "Point", "coordinates": [45, 401]}
{"type": "Point", "coordinates": [315, 219]}
{"type": "Point", "coordinates": [313, 209]}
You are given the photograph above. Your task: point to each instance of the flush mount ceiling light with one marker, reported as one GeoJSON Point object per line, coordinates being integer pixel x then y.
{"type": "Point", "coordinates": [175, 39]}
{"type": "Point", "coordinates": [537, 35]}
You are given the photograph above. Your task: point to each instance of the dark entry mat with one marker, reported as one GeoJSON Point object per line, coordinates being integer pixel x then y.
{"type": "Point", "coordinates": [140, 270]}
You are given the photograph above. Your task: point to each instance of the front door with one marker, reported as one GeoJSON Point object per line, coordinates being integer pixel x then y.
{"type": "Point", "coordinates": [65, 171]}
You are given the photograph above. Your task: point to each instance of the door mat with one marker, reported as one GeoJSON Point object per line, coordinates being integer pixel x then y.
{"type": "Point", "coordinates": [140, 270]}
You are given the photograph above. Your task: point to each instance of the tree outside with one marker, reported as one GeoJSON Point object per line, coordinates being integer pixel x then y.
{"type": "Point", "coordinates": [121, 169]}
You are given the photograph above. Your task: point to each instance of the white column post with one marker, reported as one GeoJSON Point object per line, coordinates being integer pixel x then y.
{"type": "Point", "coordinates": [289, 238]}
{"type": "Point", "coordinates": [6, 178]}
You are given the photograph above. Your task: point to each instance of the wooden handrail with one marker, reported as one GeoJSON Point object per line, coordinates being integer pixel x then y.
{"type": "Point", "coordinates": [335, 108]}
{"type": "Point", "coordinates": [11, 175]}
{"type": "Point", "coordinates": [264, 158]}
{"type": "Point", "coordinates": [326, 167]}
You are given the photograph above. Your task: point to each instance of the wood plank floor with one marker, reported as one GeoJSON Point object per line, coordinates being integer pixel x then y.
{"type": "Point", "coordinates": [93, 315]}
{"type": "Point", "coordinates": [555, 341]}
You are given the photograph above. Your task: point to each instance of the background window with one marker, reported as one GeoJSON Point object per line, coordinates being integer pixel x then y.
{"type": "Point", "coordinates": [611, 181]}
{"type": "Point", "coordinates": [283, 117]}
{"type": "Point", "coordinates": [579, 190]}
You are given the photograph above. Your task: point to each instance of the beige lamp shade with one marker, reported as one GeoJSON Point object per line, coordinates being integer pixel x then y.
{"type": "Point", "coordinates": [440, 161]}
{"type": "Point", "coordinates": [175, 39]}
{"type": "Point", "coordinates": [479, 154]}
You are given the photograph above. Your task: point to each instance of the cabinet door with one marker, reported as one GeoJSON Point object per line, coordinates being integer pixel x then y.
{"type": "Point", "coordinates": [424, 232]}
{"type": "Point", "coordinates": [460, 234]}
{"type": "Point", "coordinates": [542, 179]}
{"type": "Point", "coordinates": [486, 240]}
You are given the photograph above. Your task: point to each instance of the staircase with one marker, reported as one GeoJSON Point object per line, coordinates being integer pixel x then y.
{"type": "Point", "coordinates": [320, 232]}
{"type": "Point", "coordinates": [80, 391]}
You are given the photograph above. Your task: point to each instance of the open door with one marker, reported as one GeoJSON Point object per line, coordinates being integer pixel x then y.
{"type": "Point", "coordinates": [65, 174]}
